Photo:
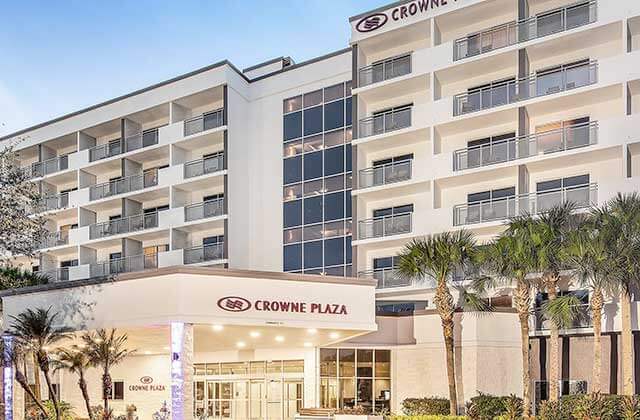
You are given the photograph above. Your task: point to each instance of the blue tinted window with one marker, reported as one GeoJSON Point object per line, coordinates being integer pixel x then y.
{"type": "Point", "coordinates": [348, 204]}
{"type": "Point", "coordinates": [313, 120]}
{"type": "Point", "coordinates": [313, 165]}
{"type": "Point", "coordinates": [292, 170]}
{"type": "Point", "coordinates": [334, 115]}
{"type": "Point", "coordinates": [334, 206]}
{"type": "Point", "coordinates": [312, 210]}
{"type": "Point", "coordinates": [348, 111]}
{"type": "Point", "coordinates": [348, 158]}
{"type": "Point", "coordinates": [292, 126]}
{"type": "Point", "coordinates": [334, 251]}
{"type": "Point", "coordinates": [334, 161]}
{"type": "Point", "coordinates": [348, 250]}
{"type": "Point", "coordinates": [292, 257]}
{"type": "Point", "coordinates": [313, 254]}
{"type": "Point", "coordinates": [292, 214]}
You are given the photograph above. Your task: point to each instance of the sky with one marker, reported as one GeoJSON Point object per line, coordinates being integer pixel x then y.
{"type": "Point", "coordinates": [59, 56]}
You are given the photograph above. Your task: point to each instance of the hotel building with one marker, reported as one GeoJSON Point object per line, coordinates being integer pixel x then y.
{"type": "Point", "coordinates": [241, 225]}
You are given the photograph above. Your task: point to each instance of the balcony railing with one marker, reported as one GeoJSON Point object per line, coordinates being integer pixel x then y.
{"type": "Point", "coordinates": [57, 274]}
{"type": "Point", "coordinates": [46, 167]}
{"type": "Point", "coordinates": [124, 225]}
{"type": "Point", "coordinates": [533, 86]}
{"type": "Point", "coordinates": [582, 320]}
{"type": "Point", "coordinates": [555, 21]}
{"type": "Point", "coordinates": [133, 142]}
{"type": "Point", "coordinates": [387, 278]}
{"type": "Point", "coordinates": [532, 203]}
{"type": "Point", "coordinates": [123, 185]}
{"type": "Point", "coordinates": [386, 174]}
{"type": "Point", "coordinates": [385, 122]}
{"type": "Point", "coordinates": [385, 70]}
{"type": "Point", "coordinates": [54, 239]}
{"type": "Point", "coordinates": [204, 122]}
{"type": "Point", "coordinates": [385, 226]}
{"type": "Point", "coordinates": [204, 166]}
{"type": "Point", "coordinates": [54, 202]}
{"type": "Point", "coordinates": [103, 151]}
{"type": "Point", "coordinates": [571, 137]}
{"type": "Point", "coordinates": [199, 254]}
{"type": "Point", "coordinates": [123, 265]}
{"type": "Point", "coordinates": [210, 208]}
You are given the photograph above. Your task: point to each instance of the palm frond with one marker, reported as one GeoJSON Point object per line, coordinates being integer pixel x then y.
{"type": "Point", "coordinates": [563, 311]}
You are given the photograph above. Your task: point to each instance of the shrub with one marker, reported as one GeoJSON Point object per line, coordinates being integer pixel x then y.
{"type": "Point", "coordinates": [487, 407]}
{"type": "Point", "coordinates": [428, 417]}
{"type": "Point", "coordinates": [594, 407]}
{"type": "Point", "coordinates": [552, 410]}
{"type": "Point", "coordinates": [629, 408]}
{"type": "Point", "coordinates": [425, 407]}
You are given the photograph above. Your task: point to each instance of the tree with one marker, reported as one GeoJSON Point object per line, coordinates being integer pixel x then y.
{"type": "Point", "coordinates": [75, 360]}
{"type": "Point", "coordinates": [441, 256]}
{"type": "Point", "coordinates": [106, 349]}
{"type": "Point", "coordinates": [510, 259]}
{"type": "Point", "coordinates": [17, 354]}
{"type": "Point", "coordinates": [14, 278]}
{"type": "Point", "coordinates": [36, 330]}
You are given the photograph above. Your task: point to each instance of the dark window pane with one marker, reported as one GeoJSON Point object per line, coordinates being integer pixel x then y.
{"type": "Point", "coordinates": [365, 363]}
{"type": "Point", "coordinates": [334, 115]}
{"type": "Point", "coordinates": [292, 126]}
{"type": "Point", "coordinates": [292, 104]}
{"type": "Point", "coordinates": [408, 208]}
{"type": "Point", "coordinates": [383, 212]}
{"type": "Point", "coordinates": [292, 213]}
{"type": "Point", "coordinates": [292, 257]}
{"type": "Point", "coordinates": [348, 158]}
{"type": "Point", "coordinates": [313, 254]}
{"type": "Point", "coordinates": [480, 196]}
{"type": "Point", "coordinates": [292, 170]}
{"type": "Point", "coordinates": [503, 192]}
{"type": "Point", "coordinates": [312, 120]}
{"type": "Point", "coordinates": [549, 185]}
{"type": "Point", "coordinates": [383, 262]}
{"type": "Point", "coordinates": [348, 250]}
{"type": "Point", "coordinates": [334, 161]}
{"type": "Point", "coordinates": [348, 204]}
{"type": "Point", "coordinates": [334, 251]}
{"type": "Point", "coordinates": [312, 210]}
{"type": "Point", "coordinates": [313, 98]}
{"type": "Point", "coordinates": [576, 180]}
{"type": "Point", "coordinates": [334, 206]}
{"type": "Point", "coordinates": [118, 390]}
{"type": "Point", "coordinates": [313, 165]}
{"type": "Point", "coordinates": [348, 119]}
{"type": "Point", "coordinates": [333, 92]}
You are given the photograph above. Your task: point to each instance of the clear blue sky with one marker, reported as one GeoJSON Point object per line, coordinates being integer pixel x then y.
{"type": "Point", "coordinates": [59, 56]}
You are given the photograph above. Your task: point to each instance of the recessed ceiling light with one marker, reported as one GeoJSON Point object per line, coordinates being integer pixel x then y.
{"type": "Point", "coordinates": [255, 334]}
{"type": "Point", "coordinates": [334, 335]}
{"type": "Point", "coordinates": [279, 338]}
{"type": "Point", "coordinates": [147, 352]}
{"type": "Point", "coordinates": [241, 344]}
{"type": "Point", "coordinates": [312, 331]}
{"type": "Point", "coordinates": [217, 327]}
{"type": "Point", "coordinates": [308, 344]}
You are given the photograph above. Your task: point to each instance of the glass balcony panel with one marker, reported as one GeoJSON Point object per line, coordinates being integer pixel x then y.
{"type": "Point", "coordinates": [385, 70]}
{"type": "Point", "coordinates": [384, 123]}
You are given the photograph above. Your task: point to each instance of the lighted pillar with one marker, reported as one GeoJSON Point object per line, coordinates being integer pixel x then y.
{"type": "Point", "coordinates": [12, 394]}
{"type": "Point", "coordinates": [181, 371]}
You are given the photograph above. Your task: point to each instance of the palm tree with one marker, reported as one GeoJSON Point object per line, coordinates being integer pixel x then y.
{"type": "Point", "coordinates": [36, 330]}
{"type": "Point", "coordinates": [17, 355]}
{"type": "Point", "coordinates": [106, 349]}
{"type": "Point", "coordinates": [550, 233]}
{"type": "Point", "coordinates": [621, 218]}
{"type": "Point", "coordinates": [75, 360]}
{"type": "Point", "coordinates": [441, 256]}
{"type": "Point", "coordinates": [509, 259]}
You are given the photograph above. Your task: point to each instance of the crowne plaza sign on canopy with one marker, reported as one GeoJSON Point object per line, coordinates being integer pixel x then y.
{"type": "Point", "coordinates": [377, 20]}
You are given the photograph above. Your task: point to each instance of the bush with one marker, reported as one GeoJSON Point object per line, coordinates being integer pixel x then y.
{"type": "Point", "coordinates": [591, 407]}
{"type": "Point", "coordinates": [552, 410]}
{"type": "Point", "coordinates": [428, 417]}
{"type": "Point", "coordinates": [487, 407]}
{"type": "Point", "coordinates": [431, 406]}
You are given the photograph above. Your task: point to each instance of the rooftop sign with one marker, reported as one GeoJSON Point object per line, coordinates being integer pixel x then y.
{"type": "Point", "coordinates": [379, 19]}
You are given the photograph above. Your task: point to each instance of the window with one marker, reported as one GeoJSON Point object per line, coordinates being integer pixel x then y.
{"type": "Point", "coordinates": [312, 121]}
{"type": "Point", "coordinates": [292, 170]}
{"type": "Point", "coordinates": [334, 252]}
{"type": "Point", "coordinates": [212, 240]}
{"type": "Point", "coordinates": [313, 165]}
{"type": "Point", "coordinates": [334, 161]}
{"type": "Point", "coordinates": [117, 391]}
{"type": "Point", "coordinates": [334, 115]}
{"type": "Point", "coordinates": [491, 195]}
{"type": "Point", "coordinates": [292, 126]}
{"type": "Point", "coordinates": [292, 213]}
{"type": "Point", "coordinates": [389, 211]}
{"type": "Point", "coordinates": [562, 183]}
{"type": "Point", "coordinates": [394, 159]}
{"type": "Point", "coordinates": [313, 254]}
{"type": "Point", "coordinates": [334, 206]}
{"type": "Point", "coordinates": [292, 257]}
{"type": "Point", "coordinates": [313, 210]}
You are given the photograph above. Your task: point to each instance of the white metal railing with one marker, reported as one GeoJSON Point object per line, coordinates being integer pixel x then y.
{"type": "Point", "coordinates": [385, 122]}
{"type": "Point", "coordinates": [387, 278]}
{"type": "Point", "coordinates": [209, 208]}
{"type": "Point", "coordinates": [198, 254]}
{"type": "Point", "coordinates": [123, 265]}
{"type": "Point", "coordinates": [204, 166]}
{"type": "Point", "coordinates": [532, 86]}
{"type": "Point", "coordinates": [378, 227]}
{"type": "Point", "coordinates": [57, 274]}
{"type": "Point", "coordinates": [124, 185]}
{"type": "Point", "coordinates": [204, 122]}
{"type": "Point", "coordinates": [385, 174]}
{"type": "Point", "coordinates": [388, 69]}
{"type": "Point", "coordinates": [506, 207]}
{"type": "Point", "coordinates": [124, 225]}
{"type": "Point", "coordinates": [103, 151]}
{"type": "Point", "coordinates": [554, 21]}
{"type": "Point", "coordinates": [54, 202]}
{"type": "Point", "coordinates": [58, 238]}
{"type": "Point", "coordinates": [133, 142]}
{"type": "Point", "coordinates": [138, 141]}
{"type": "Point", "coordinates": [46, 167]}
{"type": "Point", "coordinates": [570, 137]}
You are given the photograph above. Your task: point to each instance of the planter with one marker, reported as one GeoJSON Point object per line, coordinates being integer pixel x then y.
{"type": "Point", "coordinates": [356, 417]}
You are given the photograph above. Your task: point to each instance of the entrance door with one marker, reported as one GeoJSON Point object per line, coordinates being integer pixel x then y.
{"type": "Point", "coordinates": [292, 398]}
{"type": "Point", "coordinates": [257, 407]}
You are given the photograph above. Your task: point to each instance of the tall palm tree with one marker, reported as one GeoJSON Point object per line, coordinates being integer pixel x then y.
{"type": "Point", "coordinates": [510, 259]}
{"type": "Point", "coordinates": [550, 233]}
{"type": "Point", "coordinates": [105, 349]}
{"type": "Point", "coordinates": [35, 329]}
{"type": "Point", "coordinates": [441, 256]}
{"type": "Point", "coordinates": [17, 355]}
{"type": "Point", "coordinates": [75, 360]}
{"type": "Point", "coordinates": [621, 218]}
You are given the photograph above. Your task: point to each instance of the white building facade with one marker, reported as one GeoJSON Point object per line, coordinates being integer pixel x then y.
{"type": "Point", "coordinates": [441, 115]}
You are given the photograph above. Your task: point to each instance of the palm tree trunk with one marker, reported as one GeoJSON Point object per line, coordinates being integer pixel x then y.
{"type": "Point", "coordinates": [82, 383]}
{"type": "Point", "coordinates": [106, 391]}
{"type": "Point", "coordinates": [444, 305]}
{"type": "Point", "coordinates": [628, 387]}
{"type": "Point", "coordinates": [597, 303]}
{"type": "Point", "coordinates": [52, 393]}
{"type": "Point", "coordinates": [22, 380]}
{"type": "Point", "coordinates": [554, 343]}
{"type": "Point", "coordinates": [522, 302]}
{"type": "Point", "coordinates": [36, 378]}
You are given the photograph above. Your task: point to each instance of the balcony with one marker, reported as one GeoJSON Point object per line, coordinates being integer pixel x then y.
{"type": "Point", "coordinates": [379, 227]}
{"type": "Point", "coordinates": [57, 274]}
{"type": "Point", "coordinates": [534, 86]}
{"type": "Point", "coordinates": [507, 150]}
{"type": "Point", "coordinates": [204, 122]}
{"type": "Point", "coordinates": [506, 207]}
{"type": "Point", "coordinates": [386, 277]}
{"type": "Point", "coordinates": [123, 185]}
{"type": "Point", "coordinates": [123, 265]}
{"type": "Point", "coordinates": [582, 320]}
{"type": "Point", "coordinates": [385, 70]}
{"type": "Point", "coordinates": [385, 174]}
{"type": "Point", "coordinates": [54, 239]}
{"type": "Point", "coordinates": [55, 202]}
{"type": "Point", "coordinates": [200, 254]}
{"type": "Point", "coordinates": [385, 122]}
{"type": "Point", "coordinates": [114, 148]}
{"type": "Point", "coordinates": [552, 22]}
{"type": "Point", "coordinates": [204, 166]}
{"type": "Point", "coordinates": [124, 225]}
{"type": "Point", "coordinates": [211, 208]}
{"type": "Point", "coordinates": [49, 166]}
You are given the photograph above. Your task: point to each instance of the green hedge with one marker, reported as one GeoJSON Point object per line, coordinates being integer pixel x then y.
{"type": "Point", "coordinates": [426, 418]}
{"type": "Point", "coordinates": [430, 406]}
{"type": "Point", "coordinates": [592, 406]}
{"type": "Point", "coordinates": [488, 407]}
